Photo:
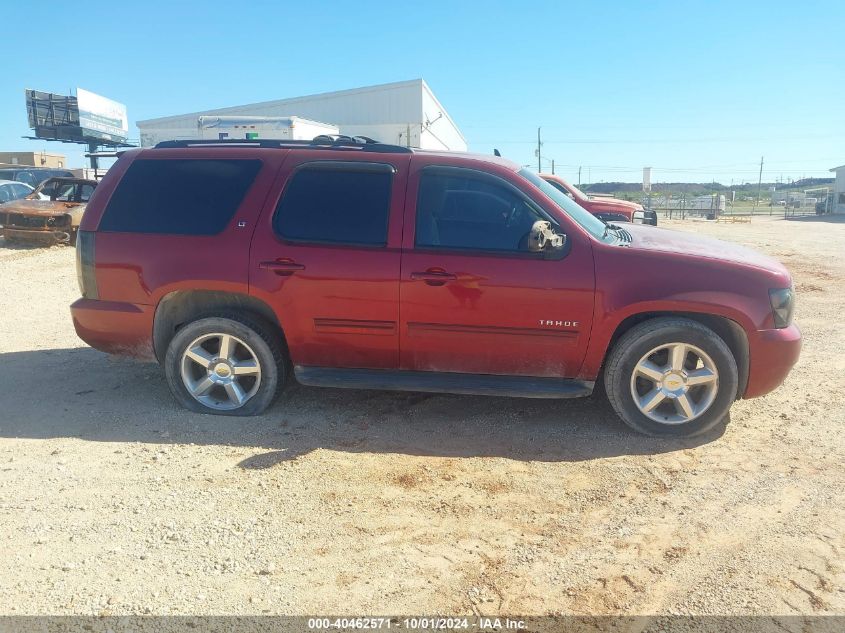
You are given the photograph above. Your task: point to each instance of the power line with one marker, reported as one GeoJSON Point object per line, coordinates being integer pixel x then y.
{"type": "Point", "coordinates": [648, 141]}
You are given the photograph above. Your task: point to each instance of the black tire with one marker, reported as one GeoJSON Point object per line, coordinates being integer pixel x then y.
{"type": "Point", "coordinates": [263, 341]}
{"type": "Point", "coordinates": [646, 336]}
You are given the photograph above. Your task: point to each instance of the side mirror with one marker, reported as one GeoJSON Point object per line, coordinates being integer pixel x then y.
{"type": "Point", "coordinates": [638, 217]}
{"type": "Point", "coordinates": [543, 238]}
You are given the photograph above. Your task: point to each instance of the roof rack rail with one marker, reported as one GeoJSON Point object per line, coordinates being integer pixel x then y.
{"type": "Point", "coordinates": [324, 141]}
{"type": "Point", "coordinates": [342, 138]}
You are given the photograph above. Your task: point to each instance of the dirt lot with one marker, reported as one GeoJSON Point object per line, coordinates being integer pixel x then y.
{"type": "Point", "coordinates": [113, 500]}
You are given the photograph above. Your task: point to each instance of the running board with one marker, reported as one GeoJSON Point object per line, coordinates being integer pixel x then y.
{"type": "Point", "coordinates": [442, 382]}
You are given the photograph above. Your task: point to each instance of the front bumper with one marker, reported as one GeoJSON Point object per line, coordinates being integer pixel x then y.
{"type": "Point", "coordinates": [58, 227]}
{"type": "Point", "coordinates": [115, 327]}
{"type": "Point", "coordinates": [38, 235]}
{"type": "Point", "coordinates": [772, 354]}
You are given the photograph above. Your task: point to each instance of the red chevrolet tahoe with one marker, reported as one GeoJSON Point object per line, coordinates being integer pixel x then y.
{"type": "Point", "coordinates": [348, 263]}
{"type": "Point", "coordinates": [608, 209]}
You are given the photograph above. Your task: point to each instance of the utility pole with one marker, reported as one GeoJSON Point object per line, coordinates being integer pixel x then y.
{"type": "Point", "coordinates": [759, 183]}
{"type": "Point", "coordinates": [539, 165]}
{"type": "Point", "coordinates": [553, 167]}
{"type": "Point", "coordinates": [579, 175]}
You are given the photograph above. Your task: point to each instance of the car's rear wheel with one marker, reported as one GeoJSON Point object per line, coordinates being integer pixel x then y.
{"type": "Point", "coordinates": [226, 365]}
{"type": "Point", "coordinates": [671, 377]}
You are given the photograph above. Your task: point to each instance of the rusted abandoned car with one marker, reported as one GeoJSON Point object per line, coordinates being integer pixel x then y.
{"type": "Point", "coordinates": [51, 213]}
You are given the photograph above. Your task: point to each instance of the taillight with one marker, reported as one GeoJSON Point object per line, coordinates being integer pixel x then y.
{"type": "Point", "coordinates": [85, 274]}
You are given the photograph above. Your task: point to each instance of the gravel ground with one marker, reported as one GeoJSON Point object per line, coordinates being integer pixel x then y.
{"type": "Point", "coordinates": [115, 501]}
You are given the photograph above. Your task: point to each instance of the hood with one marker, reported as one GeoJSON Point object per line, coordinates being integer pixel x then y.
{"type": "Point", "coordinates": [652, 238]}
{"type": "Point", "coordinates": [599, 204]}
{"type": "Point", "coordinates": [41, 207]}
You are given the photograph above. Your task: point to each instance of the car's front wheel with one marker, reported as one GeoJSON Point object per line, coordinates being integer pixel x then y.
{"type": "Point", "coordinates": [225, 365]}
{"type": "Point", "coordinates": [671, 377]}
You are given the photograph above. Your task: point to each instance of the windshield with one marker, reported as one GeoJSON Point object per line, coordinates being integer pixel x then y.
{"type": "Point", "coordinates": [57, 190]}
{"type": "Point", "coordinates": [568, 189]}
{"type": "Point", "coordinates": [575, 211]}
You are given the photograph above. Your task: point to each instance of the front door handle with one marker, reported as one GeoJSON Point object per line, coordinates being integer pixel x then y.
{"type": "Point", "coordinates": [281, 266]}
{"type": "Point", "coordinates": [434, 277]}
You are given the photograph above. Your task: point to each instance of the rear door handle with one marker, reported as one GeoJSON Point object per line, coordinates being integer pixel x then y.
{"type": "Point", "coordinates": [281, 267]}
{"type": "Point", "coordinates": [434, 277]}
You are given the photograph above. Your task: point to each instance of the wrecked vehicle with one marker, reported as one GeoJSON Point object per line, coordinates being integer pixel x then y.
{"type": "Point", "coordinates": [51, 213]}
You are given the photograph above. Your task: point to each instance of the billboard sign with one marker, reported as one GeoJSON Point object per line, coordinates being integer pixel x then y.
{"type": "Point", "coordinates": [101, 117]}
{"type": "Point", "coordinates": [85, 118]}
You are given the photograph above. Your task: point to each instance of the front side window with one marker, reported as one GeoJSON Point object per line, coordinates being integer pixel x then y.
{"type": "Point", "coordinates": [179, 196]}
{"type": "Point", "coordinates": [336, 203]}
{"type": "Point", "coordinates": [5, 193]}
{"type": "Point", "coordinates": [461, 211]}
{"type": "Point", "coordinates": [85, 192]}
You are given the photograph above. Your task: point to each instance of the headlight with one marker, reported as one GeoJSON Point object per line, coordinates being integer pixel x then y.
{"type": "Point", "coordinates": [783, 303]}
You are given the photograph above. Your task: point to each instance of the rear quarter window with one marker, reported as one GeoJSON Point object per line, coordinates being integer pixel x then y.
{"type": "Point", "coordinates": [179, 196]}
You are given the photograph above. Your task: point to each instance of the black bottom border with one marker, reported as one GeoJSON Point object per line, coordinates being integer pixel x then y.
{"type": "Point", "coordinates": [482, 624]}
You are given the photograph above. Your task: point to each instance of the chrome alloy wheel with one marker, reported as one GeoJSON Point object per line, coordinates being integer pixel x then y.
{"type": "Point", "coordinates": [220, 371]}
{"type": "Point", "coordinates": [674, 383]}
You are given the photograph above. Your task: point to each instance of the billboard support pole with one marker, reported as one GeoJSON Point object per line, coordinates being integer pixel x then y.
{"type": "Point", "coordinates": [92, 148]}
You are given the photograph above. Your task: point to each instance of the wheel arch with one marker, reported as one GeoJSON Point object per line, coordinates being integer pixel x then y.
{"type": "Point", "coordinates": [183, 306]}
{"type": "Point", "coordinates": [727, 329]}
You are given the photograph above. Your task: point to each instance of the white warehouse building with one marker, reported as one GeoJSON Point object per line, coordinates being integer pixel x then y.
{"type": "Point", "coordinates": [402, 113]}
{"type": "Point", "coordinates": [839, 190]}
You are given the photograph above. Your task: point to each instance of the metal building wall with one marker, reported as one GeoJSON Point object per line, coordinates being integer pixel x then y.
{"type": "Point", "coordinates": [839, 190]}
{"type": "Point", "coordinates": [438, 129]}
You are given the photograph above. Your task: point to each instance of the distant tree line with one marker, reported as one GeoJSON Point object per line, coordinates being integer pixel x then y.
{"type": "Point", "coordinates": [700, 188]}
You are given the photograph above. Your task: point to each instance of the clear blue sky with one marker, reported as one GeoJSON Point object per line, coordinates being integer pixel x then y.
{"type": "Point", "coordinates": [698, 90]}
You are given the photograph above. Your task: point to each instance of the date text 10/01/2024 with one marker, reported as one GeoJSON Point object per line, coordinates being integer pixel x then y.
{"type": "Point", "coordinates": [416, 623]}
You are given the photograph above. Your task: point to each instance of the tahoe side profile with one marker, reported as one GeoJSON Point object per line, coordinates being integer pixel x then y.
{"type": "Point", "coordinates": [344, 262]}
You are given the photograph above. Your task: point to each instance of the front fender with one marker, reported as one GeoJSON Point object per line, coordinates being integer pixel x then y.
{"type": "Point", "coordinates": [629, 283]}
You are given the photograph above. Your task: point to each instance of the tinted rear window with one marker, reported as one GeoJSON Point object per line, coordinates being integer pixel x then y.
{"type": "Point", "coordinates": [181, 197]}
{"type": "Point", "coordinates": [346, 205]}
